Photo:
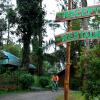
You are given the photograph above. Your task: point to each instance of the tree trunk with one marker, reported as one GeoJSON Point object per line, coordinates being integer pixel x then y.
{"type": "Point", "coordinates": [1, 43]}
{"type": "Point", "coordinates": [40, 56]}
{"type": "Point", "coordinates": [85, 27]}
{"type": "Point", "coordinates": [40, 51]}
{"type": "Point", "coordinates": [8, 33]}
{"type": "Point", "coordinates": [26, 52]}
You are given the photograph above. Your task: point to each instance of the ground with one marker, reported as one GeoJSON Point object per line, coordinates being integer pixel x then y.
{"type": "Point", "coordinates": [42, 95]}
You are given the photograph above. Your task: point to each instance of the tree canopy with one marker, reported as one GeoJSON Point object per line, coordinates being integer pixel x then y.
{"type": "Point", "coordinates": [91, 59]}
{"type": "Point", "coordinates": [30, 24]}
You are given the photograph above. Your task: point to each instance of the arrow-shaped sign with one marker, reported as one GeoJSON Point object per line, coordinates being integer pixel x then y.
{"type": "Point", "coordinates": [78, 13]}
{"type": "Point", "coordinates": [77, 35]}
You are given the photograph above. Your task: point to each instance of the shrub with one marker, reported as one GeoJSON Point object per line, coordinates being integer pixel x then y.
{"type": "Point", "coordinates": [89, 67]}
{"type": "Point", "coordinates": [75, 83]}
{"type": "Point", "coordinates": [44, 81]}
{"type": "Point", "coordinates": [26, 80]}
{"type": "Point", "coordinates": [36, 81]}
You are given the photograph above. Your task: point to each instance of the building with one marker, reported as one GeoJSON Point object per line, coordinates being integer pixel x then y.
{"type": "Point", "coordinates": [9, 60]}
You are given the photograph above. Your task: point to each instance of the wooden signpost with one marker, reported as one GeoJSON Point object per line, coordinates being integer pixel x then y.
{"type": "Point", "coordinates": [69, 36]}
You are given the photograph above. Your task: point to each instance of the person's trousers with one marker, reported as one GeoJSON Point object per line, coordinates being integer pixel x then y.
{"type": "Point", "coordinates": [55, 85]}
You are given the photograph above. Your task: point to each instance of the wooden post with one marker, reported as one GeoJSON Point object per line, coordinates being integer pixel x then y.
{"type": "Point", "coordinates": [67, 67]}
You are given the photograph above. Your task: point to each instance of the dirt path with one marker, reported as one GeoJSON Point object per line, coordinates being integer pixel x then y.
{"type": "Point", "coordinates": [42, 95]}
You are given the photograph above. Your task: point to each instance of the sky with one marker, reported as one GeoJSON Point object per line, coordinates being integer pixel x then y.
{"type": "Point", "coordinates": [51, 9]}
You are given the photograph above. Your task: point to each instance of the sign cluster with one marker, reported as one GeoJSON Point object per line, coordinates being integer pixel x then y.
{"type": "Point", "coordinates": [78, 14]}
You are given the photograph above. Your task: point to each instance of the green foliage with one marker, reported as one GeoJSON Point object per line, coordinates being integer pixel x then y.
{"type": "Point", "coordinates": [4, 6]}
{"type": "Point", "coordinates": [73, 96]}
{"type": "Point", "coordinates": [3, 25]}
{"type": "Point", "coordinates": [3, 91]}
{"type": "Point", "coordinates": [31, 22]}
{"type": "Point", "coordinates": [50, 58]}
{"type": "Point", "coordinates": [14, 49]}
{"type": "Point", "coordinates": [9, 80]}
{"type": "Point", "coordinates": [95, 22]}
{"type": "Point", "coordinates": [44, 81]}
{"type": "Point", "coordinates": [36, 81]}
{"type": "Point", "coordinates": [75, 83]}
{"type": "Point", "coordinates": [11, 16]}
{"type": "Point", "coordinates": [13, 80]}
{"type": "Point", "coordinates": [7, 77]}
{"type": "Point", "coordinates": [2, 69]}
{"type": "Point", "coordinates": [90, 67]}
{"type": "Point", "coordinates": [29, 11]}
{"type": "Point", "coordinates": [76, 25]}
{"type": "Point", "coordinates": [46, 66]}
{"type": "Point", "coordinates": [26, 80]}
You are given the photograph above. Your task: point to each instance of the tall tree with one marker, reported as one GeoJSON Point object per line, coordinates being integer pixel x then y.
{"type": "Point", "coordinates": [30, 23]}
{"type": "Point", "coordinates": [95, 24]}
{"type": "Point", "coordinates": [11, 20]}
{"type": "Point", "coordinates": [4, 6]}
{"type": "Point", "coordinates": [37, 40]}
{"type": "Point", "coordinates": [40, 32]}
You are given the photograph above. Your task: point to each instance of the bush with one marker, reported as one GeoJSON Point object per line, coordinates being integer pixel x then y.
{"type": "Point", "coordinates": [89, 67]}
{"type": "Point", "coordinates": [44, 81]}
{"type": "Point", "coordinates": [26, 80]}
{"type": "Point", "coordinates": [75, 83]}
{"type": "Point", "coordinates": [36, 81]}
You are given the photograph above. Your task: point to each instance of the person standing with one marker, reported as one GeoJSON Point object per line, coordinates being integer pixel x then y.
{"type": "Point", "coordinates": [55, 80]}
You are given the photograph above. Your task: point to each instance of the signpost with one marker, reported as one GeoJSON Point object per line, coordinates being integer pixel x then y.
{"type": "Point", "coordinates": [67, 67]}
{"type": "Point", "coordinates": [78, 13]}
{"type": "Point", "coordinates": [77, 35]}
{"type": "Point", "coordinates": [69, 36]}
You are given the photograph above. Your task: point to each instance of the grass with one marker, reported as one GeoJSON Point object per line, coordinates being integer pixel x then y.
{"type": "Point", "coordinates": [7, 91]}
{"type": "Point", "coordinates": [73, 96]}
{"type": "Point", "coordinates": [2, 92]}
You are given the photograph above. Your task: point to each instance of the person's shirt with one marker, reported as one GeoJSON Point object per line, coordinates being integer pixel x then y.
{"type": "Point", "coordinates": [55, 78]}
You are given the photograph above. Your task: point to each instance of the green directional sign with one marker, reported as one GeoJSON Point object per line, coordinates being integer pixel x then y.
{"type": "Point", "coordinates": [78, 13]}
{"type": "Point", "coordinates": [77, 35]}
